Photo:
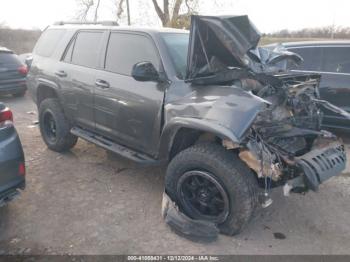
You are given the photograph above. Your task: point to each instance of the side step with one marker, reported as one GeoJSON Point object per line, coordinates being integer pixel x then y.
{"type": "Point", "coordinates": [116, 148]}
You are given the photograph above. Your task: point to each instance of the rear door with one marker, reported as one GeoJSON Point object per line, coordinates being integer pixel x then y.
{"type": "Point", "coordinates": [126, 110]}
{"type": "Point", "coordinates": [77, 73]}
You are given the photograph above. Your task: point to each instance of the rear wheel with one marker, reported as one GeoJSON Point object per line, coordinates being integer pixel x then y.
{"type": "Point", "coordinates": [54, 127]}
{"type": "Point", "coordinates": [211, 183]}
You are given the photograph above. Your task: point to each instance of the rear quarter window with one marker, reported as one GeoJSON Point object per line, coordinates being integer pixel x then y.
{"type": "Point", "coordinates": [48, 42]}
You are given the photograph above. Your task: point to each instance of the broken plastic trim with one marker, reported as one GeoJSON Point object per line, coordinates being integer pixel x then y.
{"type": "Point", "coordinates": [195, 230]}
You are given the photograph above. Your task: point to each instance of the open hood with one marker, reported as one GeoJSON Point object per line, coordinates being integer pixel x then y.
{"type": "Point", "coordinates": [220, 43]}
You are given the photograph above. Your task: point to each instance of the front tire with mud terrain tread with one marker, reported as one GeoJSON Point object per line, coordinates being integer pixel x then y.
{"type": "Point", "coordinates": [54, 127]}
{"type": "Point", "coordinates": [207, 173]}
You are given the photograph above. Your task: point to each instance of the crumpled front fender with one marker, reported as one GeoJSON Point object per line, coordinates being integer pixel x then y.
{"type": "Point", "coordinates": [227, 112]}
{"type": "Point", "coordinates": [177, 123]}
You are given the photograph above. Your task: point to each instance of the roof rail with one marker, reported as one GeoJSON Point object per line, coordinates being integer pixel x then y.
{"type": "Point", "coordinates": [107, 23]}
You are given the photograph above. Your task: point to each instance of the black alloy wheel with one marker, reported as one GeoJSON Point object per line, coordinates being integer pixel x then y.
{"type": "Point", "coordinates": [203, 195]}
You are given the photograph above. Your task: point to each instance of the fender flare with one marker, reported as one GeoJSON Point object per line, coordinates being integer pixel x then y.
{"type": "Point", "coordinates": [171, 128]}
{"type": "Point", "coordinates": [47, 83]}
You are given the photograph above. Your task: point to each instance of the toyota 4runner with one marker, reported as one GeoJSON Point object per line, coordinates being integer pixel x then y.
{"type": "Point", "coordinates": [219, 109]}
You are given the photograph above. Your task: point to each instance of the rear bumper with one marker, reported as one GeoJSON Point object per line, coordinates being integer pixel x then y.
{"type": "Point", "coordinates": [10, 88]}
{"type": "Point", "coordinates": [11, 193]}
{"type": "Point", "coordinates": [11, 157]}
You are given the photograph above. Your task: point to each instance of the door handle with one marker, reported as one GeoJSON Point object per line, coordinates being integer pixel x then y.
{"type": "Point", "coordinates": [61, 73]}
{"type": "Point", "coordinates": [102, 83]}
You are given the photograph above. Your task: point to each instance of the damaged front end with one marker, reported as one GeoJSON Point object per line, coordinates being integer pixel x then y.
{"type": "Point", "coordinates": [285, 144]}
{"type": "Point", "coordinates": [270, 117]}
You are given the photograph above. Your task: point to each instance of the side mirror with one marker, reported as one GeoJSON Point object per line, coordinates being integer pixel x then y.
{"type": "Point", "coordinates": [144, 71]}
{"type": "Point", "coordinates": [28, 61]}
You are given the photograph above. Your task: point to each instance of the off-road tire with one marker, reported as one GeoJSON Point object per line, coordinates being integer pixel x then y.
{"type": "Point", "coordinates": [235, 177]}
{"type": "Point", "coordinates": [64, 140]}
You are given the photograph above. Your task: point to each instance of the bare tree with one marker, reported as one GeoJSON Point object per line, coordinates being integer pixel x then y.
{"type": "Point", "coordinates": [96, 10]}
{"type": "Point", "coordinates": [170, 14]}
{"type": "Point", "coordinates": [120, 6]}
{"type": "Point", "coordinates": [120, 9]}
{"type": "Point", "coordinates": [84, 6]}
{"type": "Point", "coordinates": [128, 11]}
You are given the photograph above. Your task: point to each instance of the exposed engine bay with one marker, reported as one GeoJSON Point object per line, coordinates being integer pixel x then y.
{"type": "Point", "coordinates": [286, 139]}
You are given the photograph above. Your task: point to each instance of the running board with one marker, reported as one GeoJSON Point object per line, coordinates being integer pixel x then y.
{"type": "Point", "coordinates": [115, 148]}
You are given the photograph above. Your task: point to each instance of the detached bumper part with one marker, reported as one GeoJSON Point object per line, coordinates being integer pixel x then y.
{"type": "Point", "coordinates": [321, 164]}
{"type": "Point", "coordinates": [195, 230]}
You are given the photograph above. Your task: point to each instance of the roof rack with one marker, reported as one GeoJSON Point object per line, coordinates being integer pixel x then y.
{"type": "Point", "coordinates": [107, 23]}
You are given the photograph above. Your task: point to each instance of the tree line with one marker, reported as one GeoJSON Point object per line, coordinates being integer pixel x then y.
{"type": "Point", "coordinates": [19, 40]}
{"type": "Point", "coordinates": [327, 32]}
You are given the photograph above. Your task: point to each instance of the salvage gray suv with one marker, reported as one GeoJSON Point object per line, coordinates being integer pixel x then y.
{"type": "Point", "coordinates": [211, 103]}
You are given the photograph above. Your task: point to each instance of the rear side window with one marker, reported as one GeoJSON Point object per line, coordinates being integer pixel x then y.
{"type": "Point", "coordinates": [48, 41]}
{"type": "Point", "coordinates": [312, 58]}
{"type": "Point", "coordinates": [125, 50]}
{"type": "Point", "coordinates": [7, 58]}
{"type": "Point", "coordinates": [336, 59]}
{"type": "Point", "coordinates": [86, 49]}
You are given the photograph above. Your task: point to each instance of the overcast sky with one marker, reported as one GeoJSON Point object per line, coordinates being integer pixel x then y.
{"type": "Point", "coordinates": [267, 15]}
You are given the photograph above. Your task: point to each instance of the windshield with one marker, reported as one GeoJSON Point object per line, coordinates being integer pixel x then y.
{"type": "Point", "coordinates": [177, 44]}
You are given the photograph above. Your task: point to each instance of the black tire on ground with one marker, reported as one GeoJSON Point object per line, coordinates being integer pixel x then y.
{"type": "Point", "coordinates": [228, 171]}
{"type": "Point", "coordinates": [54, 127]}
{"type": "Point", "coordinates": [19, 94]}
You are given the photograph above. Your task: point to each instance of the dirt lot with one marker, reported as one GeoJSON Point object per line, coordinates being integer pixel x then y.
{"type": "Point", "coordinates": [90, 202]}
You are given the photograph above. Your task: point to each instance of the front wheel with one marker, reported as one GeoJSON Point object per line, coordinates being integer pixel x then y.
{"type": "Point", "coordinates": [211, 183]}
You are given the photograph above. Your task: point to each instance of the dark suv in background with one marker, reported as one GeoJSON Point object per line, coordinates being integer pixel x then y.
{"type": "Point", "coordinates": [12, 74]}
{"type": "Point", "coordinates": [330, 59]}
{"type": "Point", "coordinates": [208, 102]}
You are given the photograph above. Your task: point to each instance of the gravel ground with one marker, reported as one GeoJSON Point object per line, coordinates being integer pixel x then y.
{"type": "Point", "coordinates": [90, 202]}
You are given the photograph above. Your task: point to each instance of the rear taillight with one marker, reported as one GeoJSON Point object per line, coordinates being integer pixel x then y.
{"type": "Point", "coordinates": [6, 117]}
{"type": "Point", "coordinates": [22, 169]}
{"type": "Point", "coordinates": [23, 70]}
